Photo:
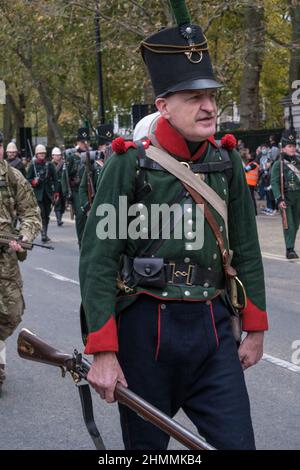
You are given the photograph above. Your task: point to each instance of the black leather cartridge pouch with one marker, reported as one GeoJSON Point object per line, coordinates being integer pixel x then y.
{"type": "Point", "coordinates": [149, 272]}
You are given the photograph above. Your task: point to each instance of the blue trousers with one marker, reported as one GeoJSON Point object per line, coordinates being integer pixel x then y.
{"type": "Point", "coordinates": [183, 355]}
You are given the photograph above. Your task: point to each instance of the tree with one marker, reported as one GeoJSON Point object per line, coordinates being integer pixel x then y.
{"type": "Point", "coordinates": [253, 62]}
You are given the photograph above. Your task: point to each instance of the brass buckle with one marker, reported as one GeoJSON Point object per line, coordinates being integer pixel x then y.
{"type": "Point", "coordinates": [173, 273]}
{"type": "Point", "coordinates": [181, 273]}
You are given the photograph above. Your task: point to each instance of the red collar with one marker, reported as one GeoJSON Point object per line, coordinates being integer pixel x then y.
{"type": "Point", "coordinates": [173, 142]}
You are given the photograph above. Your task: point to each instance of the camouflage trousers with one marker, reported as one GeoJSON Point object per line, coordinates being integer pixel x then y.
{"type": "Point", "coordinates": [11, 307]}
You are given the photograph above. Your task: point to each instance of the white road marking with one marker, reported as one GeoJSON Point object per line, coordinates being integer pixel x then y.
{"type": "Point", "coordinates": [266, 357]}
{"type": "Point", "coordinates": [58, 277]}
{"type": "Point", "coordinates": [281, 363]}
{"type": "Point", "coordinates": [279, 257]}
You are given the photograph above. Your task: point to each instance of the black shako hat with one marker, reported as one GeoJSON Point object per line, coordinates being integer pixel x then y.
{"type": "Point", "coordinates": [105, 133]}
{"type": "Point", "coordinates": [289, 136]}
{"type": "Point", "coordinates": [177, 58]}
{"type": "Point", "coordinates": [83, 134]}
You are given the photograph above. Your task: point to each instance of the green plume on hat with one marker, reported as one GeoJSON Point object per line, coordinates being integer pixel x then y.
{"type": "Point", "coordinates": [180, 11]}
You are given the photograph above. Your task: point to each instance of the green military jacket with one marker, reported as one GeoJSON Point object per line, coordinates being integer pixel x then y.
{"type": "Point", "coordinates": [83, 189]}
{"type": "Point", "coordinates": [47, 183]}
{"type": "Point", "coordinates": [17, 201]}
{"type": "Point", "coordinates": [100, 258]}
{"type": "Point", "coordinates": [74, 170]}
{"type": "Point", "coordinates": [291, 180]}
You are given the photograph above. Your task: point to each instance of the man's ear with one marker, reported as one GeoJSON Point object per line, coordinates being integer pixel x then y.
{"type": "Point", "coordinates": [162, 106]}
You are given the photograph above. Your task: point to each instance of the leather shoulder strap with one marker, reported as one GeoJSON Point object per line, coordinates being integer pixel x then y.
{"type": "Point", "coordinates": [185, 175]}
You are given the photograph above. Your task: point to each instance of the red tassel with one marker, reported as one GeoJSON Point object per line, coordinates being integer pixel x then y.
{"type": "Point", "coordinates": [118, 145]}
{"type": "Point", "coordinates": [228, 142]}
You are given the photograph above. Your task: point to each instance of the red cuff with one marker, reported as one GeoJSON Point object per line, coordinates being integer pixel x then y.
{"type": "Point", "coordinates": [254, 319]}
{"type": "Point", "coordinates": [56, 195]}
{"type": "Point", "coordinates": [105, 339]}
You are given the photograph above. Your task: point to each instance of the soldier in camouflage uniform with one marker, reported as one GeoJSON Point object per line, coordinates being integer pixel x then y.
{"type": "Point", "coordinates": [75, 170]}
{"type": "Point", "coordinates": [17, 201]}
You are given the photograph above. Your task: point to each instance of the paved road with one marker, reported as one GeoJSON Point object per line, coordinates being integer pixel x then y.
{"type": "Point", "coordinates": [40, 410]}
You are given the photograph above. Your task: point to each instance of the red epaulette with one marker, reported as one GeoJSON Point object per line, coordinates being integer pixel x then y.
{"type": "Point", "coordinates": [120, 145]}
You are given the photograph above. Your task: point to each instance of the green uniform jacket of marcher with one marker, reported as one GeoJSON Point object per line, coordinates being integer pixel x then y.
{"type": "Point", "coordinates": [291, 181]}
{"type": "Point", "coordinates": [83, 189]}
{"type": "Point", "coordinates": [48, 182]}
{"type": "Point", "coordinates": [99, 259]}
{"type": "Point", "coordinates": [75, 171]}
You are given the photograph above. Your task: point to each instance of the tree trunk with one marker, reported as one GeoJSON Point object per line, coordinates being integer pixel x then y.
{"type": "Point", "coordinates": [54, 134]}
{"type": "Point", "coordinates": [7, 121]}
{"type": "Point", "coordinates": [18, 112]}
{"type": "Point", "coordinates": [253, 60]}
{"type": "Point", "coordinates": [295, 51]}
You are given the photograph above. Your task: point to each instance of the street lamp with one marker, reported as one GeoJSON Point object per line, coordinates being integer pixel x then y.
{"type": "Point", "coordinates": [101, 112]}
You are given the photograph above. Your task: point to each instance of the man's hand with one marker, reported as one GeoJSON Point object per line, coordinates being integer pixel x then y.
{"type": "Point", "coordinates": [56, 197]}
{"type": "Point", "coordinates": [34, 182]}
{"type": "Point", "coordinates": [104, 374]}
{"type": "Point", "coordinates": [282, 205]}
{"type": "Point", "coordinates": [251, 349]}
{"type": "Point", "coordinates": [14, 245]}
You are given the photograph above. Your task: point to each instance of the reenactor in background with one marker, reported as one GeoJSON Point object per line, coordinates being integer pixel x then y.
{"type": "Point", "coordinates": [13, 158]}
{"type": "Point", "coordinates": [60, 204]}
{"type": "Point", "coordinates": [285, 182]}
{"type": "Point", "coordinates": [93, 169]}
{"type": "Point", "coordinates": [105, 134]}
{"type": "Point", "coordinates": [17, 201]}
{"type": "Point", "coordinates": [72, 177]}
{"type": "Point", "coordinates": [42, 177]}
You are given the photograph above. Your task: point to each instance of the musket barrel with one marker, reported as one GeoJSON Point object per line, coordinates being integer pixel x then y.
{"type": "Point", "coordinates": [160, 420]}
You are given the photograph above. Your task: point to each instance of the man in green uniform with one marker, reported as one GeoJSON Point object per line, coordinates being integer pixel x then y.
{"type": "Point", "coordinates": [17, 201]}
{"type": "Point", "coordinates": [93, 176]}
{"type": "Point", "coordinates": [72, 177]}
{"type": "Point", "coordinates": [166, 331]}
{"type": "Point", "coordinates": [285, 182]}
{"type": "Point", "coordinates": [60, 204]}
{"type": "Point", "coordinates": [97, 159]}
{"type": "Point", "coordinates": [42, 177]}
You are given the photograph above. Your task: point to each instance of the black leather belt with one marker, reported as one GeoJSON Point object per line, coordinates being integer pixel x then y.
{"type": "Point", "coordinates": [157, 272]}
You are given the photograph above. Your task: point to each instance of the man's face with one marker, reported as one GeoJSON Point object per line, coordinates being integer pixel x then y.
{"type": "Point", "coordinates": [82, 145]}
{"type": "Point", "coordinates": [41, 156]}
{"type": "Point", "coordinates": [290, 150]}
{"type": "Point", "coordinates": [11, 155]}
{"type": "Point", "coordinates": [1, 151]}
{"type": "Point", "coordinates": [192, 113]}
{"type": "Point", "coordinates": [57, 158]}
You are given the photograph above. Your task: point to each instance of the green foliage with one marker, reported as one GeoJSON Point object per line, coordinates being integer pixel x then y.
{"type": "Point", "coordinates": [52, 42]}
